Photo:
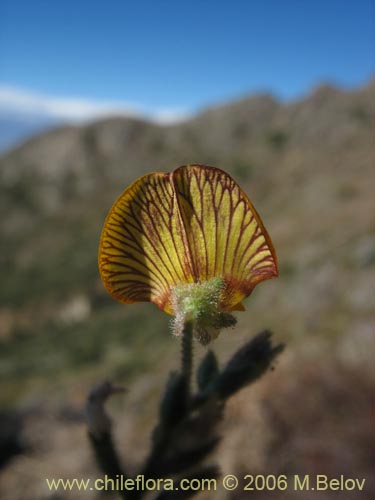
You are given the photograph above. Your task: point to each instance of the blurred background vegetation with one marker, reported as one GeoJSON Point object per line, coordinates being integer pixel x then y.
{"type": "Point", "coordinates": [93, 95]}
{"type": "Point", "coordinates": [308, 167]}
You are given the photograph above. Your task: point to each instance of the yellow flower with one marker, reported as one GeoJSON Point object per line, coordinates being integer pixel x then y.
{"type": "Point", "coordinates": [169, 232]}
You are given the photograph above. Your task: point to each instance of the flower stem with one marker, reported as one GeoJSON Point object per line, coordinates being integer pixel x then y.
{"type": "Point", "coordinates": [187, 354]}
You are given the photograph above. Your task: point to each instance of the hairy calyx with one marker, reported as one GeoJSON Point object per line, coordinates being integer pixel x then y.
{"type": "Point", "coordinates": [199, 304]}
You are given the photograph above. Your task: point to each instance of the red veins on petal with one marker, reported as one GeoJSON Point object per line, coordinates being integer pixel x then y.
{"type": "Point", "coordinates": [188, 226]}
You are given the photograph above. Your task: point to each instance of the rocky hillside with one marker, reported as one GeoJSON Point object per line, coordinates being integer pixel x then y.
{"type": "Point", "coordinates": [308, 167]}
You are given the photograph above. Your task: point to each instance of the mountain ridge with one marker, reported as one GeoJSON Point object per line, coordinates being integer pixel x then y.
{"type": "Point", "coordinates": [45, 125]}
{"type": "Point", "coordinates": [57, 188]}
{"type": "Point", "coordinates": [308, 168]}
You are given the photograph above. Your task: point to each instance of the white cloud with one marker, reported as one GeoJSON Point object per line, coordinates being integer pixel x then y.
{"type": "Point", "coordinates": [77, 110]}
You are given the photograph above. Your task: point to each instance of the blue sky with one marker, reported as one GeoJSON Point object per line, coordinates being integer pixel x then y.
{"type": "Point", "coordinates": [170, 55]}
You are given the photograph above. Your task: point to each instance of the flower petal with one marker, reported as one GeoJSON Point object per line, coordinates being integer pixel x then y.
{"type": "Point", "coordinates": [143, 249]}
{"type": "Point", "coordinates": [225, 234]}
{"type": "Point", "coordinates": [189, 226]}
